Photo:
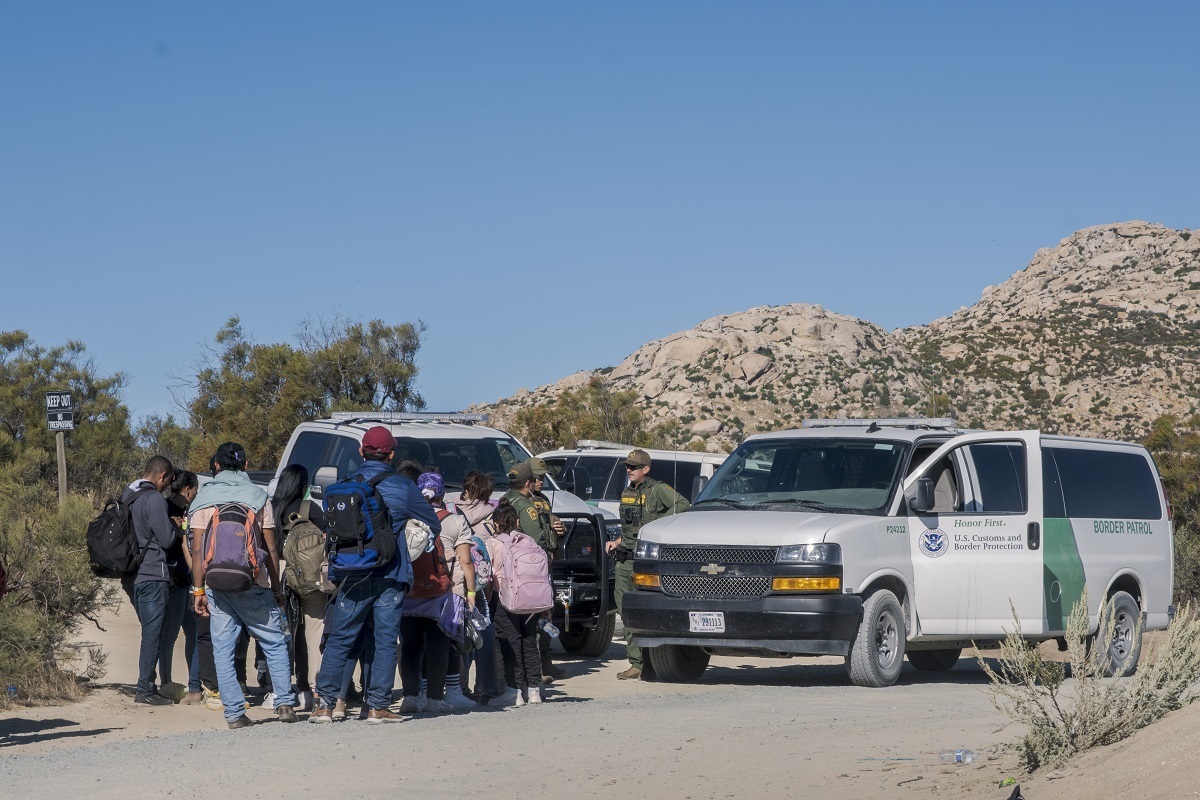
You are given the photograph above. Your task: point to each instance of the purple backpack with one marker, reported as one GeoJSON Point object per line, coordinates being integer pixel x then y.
{"type": "Point", "coordinates": [233, 548]}
{"type": "Point", "coordinates": [525, 581]}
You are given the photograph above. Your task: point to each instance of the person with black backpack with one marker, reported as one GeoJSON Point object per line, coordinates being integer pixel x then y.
{"type": "Point", "coordinates": [149, 586]}
{"type": "Point", "coordinates": [365, 517]}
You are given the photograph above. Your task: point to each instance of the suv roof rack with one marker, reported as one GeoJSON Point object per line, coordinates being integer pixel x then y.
{"type": "Point", "coordinates": [405, 416]}
{"type": "Point", "coordinates": [912, 423]}
{"type": "Point", "coordinates": [598, 444]}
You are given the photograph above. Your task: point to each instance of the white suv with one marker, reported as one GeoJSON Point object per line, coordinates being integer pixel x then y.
{"type": "Point", "coordinates": [454, 443]}
{"type": "Point", "coordinates": [686, 471]}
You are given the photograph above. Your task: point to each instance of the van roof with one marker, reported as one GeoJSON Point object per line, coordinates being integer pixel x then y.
{"type": "Point", "coordinates": [620, 451]}
{"type": "Point", "coordinates": [416, 424]}
{"type": "Point", "coordinates": [905, 429]}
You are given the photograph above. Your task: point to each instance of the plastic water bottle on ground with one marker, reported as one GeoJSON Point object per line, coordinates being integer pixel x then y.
{"type": "Point", "coordinates": [960, 756]}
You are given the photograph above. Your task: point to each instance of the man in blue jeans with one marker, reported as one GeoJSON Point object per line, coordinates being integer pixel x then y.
{"type": "Point", "coordinates": [375, 597]}
{"type": "Point", "coordinates": [256, 609]}
{"type": "Point", "coordinates": [150, 586]}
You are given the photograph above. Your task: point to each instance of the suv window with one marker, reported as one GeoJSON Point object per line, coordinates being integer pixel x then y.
{"type": "Point", "coordinates": [1000, 471]}
{"type": "Point", "coordinates": [307, 451]}
{"type": "Point", "coordinates": [456, 457]}
{"type": "Point", "coordinates": [677, 474]}
{"type": "Point", "coordinates": [1107, 484]}
{"type": "Point", "coordinates": [600, 469]}
{"type": "Point", "coordinates": [345, 455]}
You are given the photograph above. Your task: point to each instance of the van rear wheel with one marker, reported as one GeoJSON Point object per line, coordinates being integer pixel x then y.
{"type": "Point", "coordinates": [677, 663]}
{"type": "Point", "coordinates": [1119, 656]}
{"type": "Point", "coordinates": [877, 653]}
{"type": "Point", "coordinates": [589, 642]}
{"type": "Point", "coordinates": [934, 660]}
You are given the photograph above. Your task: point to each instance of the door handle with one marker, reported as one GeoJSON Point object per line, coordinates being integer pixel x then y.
{"type": "Point", "coordinates": [1035, 536]}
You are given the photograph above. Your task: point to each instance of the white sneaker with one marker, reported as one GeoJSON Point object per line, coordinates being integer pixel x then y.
{"type": "Point", "coordinates": [439, 707]}
{"type": "Point", "coordinates": [535, 695]}
{"type": "Point", "coordinates": [269, 701]}
{"type": "Point", "coordinates": [520, 700]}
{"type": "Point", "coordinates": [304, 701]}
{"type": "Point", "coordinates": [457, 700]}
{"type": "Point", "coordinates": [509, 698]}
{"type": "Point", "coordinates": [422, 702]}
{"type": "Point", "coordinates": [409, 704]}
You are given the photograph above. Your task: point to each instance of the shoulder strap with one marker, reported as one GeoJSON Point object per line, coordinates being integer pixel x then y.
{"type": "Point", "coordinates": [378, 479]}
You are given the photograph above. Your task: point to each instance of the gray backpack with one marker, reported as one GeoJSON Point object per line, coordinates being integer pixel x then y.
{"type": "Point", "coordinates": [304, 554]}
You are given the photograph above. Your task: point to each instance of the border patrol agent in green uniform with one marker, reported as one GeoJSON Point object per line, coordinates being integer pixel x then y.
{"type": "Point", "coordinates": [542, 503]}
{"type": "Point", "coordinates": [520, 487]}
{"type": "Point", "coordinates": [643, 501]}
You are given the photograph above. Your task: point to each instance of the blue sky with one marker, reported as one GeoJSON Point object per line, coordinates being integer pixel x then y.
{"type": "Point", "coordinates": [550, 185]}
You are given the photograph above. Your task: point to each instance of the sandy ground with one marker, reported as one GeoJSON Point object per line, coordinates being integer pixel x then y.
{"type": "Point", "coordinates": [752, 727]}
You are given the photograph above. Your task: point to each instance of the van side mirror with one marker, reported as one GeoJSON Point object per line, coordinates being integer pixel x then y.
{"type": "Point", "coordinates": [577, 481]}
{"type": "Point", "coordinates": [921, 501]}
{"type": "Point", "coordinates": [326, 476]}
{"type": "Point", "coordinates": [698, 484]}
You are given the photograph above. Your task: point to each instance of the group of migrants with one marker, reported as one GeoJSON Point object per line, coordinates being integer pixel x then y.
{"type": "Point", "coordinates": [382, 573]}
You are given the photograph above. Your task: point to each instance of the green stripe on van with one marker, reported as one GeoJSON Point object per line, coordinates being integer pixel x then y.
{"type": "Point", "coordinates": [1061, 564]}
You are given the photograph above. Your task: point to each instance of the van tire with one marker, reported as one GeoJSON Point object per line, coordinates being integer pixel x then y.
{"type": "Point", "coordinates": [677, 663]}
{"type": "Point", "coordinates": [877, 652]}
{"type": "Point", "coordinates": [1119, 656]}
{"type": "Point", "coordinates": [590, 642]}
{"type": "Point", "coordinates": [934, 660]}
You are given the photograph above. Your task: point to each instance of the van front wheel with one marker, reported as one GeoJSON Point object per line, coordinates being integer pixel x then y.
{"type": "Point", "coordinates": [676, 663]}
{"type": "Point", "coordinates": [877, 653]}
{"type": "Point", "coordinates": [590, 642]}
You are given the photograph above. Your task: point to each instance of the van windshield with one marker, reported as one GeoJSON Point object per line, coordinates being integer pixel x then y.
{"type": "Point", "coordinates": [454, 458]}
{"type": "Point", "coordinates": [847, 476]}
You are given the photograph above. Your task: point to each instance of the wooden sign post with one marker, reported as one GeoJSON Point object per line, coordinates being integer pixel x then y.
{"type": "Point", "coordinates": [60, 416]}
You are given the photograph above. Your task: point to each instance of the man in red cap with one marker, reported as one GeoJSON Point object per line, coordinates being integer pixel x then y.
{"type": "Point", "coordinates": [376, 597]}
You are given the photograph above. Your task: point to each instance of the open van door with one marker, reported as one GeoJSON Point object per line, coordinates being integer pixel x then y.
{"type": "Point", "coordinates": [975, 534]}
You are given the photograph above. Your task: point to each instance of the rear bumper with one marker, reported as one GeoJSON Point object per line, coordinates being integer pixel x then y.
{"type": "Point", "coordinates": [793, 624]}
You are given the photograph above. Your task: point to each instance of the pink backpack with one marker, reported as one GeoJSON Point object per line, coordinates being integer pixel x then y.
{"type": "Point", "coordinates": [525, 578]}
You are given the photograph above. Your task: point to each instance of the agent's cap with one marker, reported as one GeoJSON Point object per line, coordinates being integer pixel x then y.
{"type": "Point", "coordinates": [637, 458]}
{"type": "Point", "coordinates": [537, 466]}
{"type": "Point", "coordinates": [520, 473]}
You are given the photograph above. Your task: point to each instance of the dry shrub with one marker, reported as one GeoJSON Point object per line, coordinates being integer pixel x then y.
{"type": "Point", "coordinates": [1066, 717]}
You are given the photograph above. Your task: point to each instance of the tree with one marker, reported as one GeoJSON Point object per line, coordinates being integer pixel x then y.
{"type": "Point", "coordinates": [256, 394]}
{"type": "Point", "coordinates": [593, 411]}
{"type": "Point", "coordinates": [1175, 446]}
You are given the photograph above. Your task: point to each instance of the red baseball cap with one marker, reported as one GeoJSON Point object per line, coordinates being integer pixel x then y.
{"type": "Point", "coordinates": [379, 440]}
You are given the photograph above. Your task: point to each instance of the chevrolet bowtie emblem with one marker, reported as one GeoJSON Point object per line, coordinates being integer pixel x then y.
{"type": "Point", "coordinates": [712, 569]}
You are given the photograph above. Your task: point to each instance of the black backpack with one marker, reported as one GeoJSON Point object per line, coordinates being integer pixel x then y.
{"type": "Point", "coordinates": [359, 525]}
{"type": "Point", "coordinates": [113, 550]}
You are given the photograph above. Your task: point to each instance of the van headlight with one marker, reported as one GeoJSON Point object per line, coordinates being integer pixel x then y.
{"type": "Point", "coordinates": [646, 550]}
{"type": "Point", "coordinates": [810, 554]}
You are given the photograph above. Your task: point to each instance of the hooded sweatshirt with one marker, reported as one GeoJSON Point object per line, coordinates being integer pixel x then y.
{"type": "Point", "coordinates": [467, 520]}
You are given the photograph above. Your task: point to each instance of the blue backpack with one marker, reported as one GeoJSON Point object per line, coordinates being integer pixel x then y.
{"type": "Point", "coordinates": [358, 527]}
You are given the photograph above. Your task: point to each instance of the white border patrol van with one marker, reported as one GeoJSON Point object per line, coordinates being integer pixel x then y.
{"type": "Point", "coordinates": [876, 539]}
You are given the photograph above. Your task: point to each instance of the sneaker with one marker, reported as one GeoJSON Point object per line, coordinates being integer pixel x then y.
{"type": "Point", "coordinates": [520, 701]}
{"type": "Point", "coordinates": [377, 716]}
{"type": "Point", "coordinates": [631, 674]}
{"type": "Point", "coordinates": [192, 699]}
{"type": "Point", "coordinates": [438, 707]}
{"type": "Point", "coordinates": [152, 699]}
{"type": "Point", "coordinates": [241, 722]}
{"type": "Point", "coordinates": [320, 715]}
{"type": "Point", "coordinates": [409, 704]}
{"type": "Point", "coordinates": [212, 700]}
{"type": "Point", "coordinates": [507, 698]}
{"type": "Point", "coordinates": [269, 700]}
{"type": "Point", "coordinates": [339, 711]}
{"type": "Point", "coordinates": [535, 695]}
{"type": "Point", "coordinates": [304, 701]}
{"type": "Point", "coordinates": [286, 713]}
{"type": "Point", "coordinates": [422, 702]}
{"type": "Point", "coordinates": [457, 700]}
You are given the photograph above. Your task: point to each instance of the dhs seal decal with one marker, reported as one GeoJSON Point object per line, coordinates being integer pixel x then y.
{"type": "Point", "coordinates": [935, 543]}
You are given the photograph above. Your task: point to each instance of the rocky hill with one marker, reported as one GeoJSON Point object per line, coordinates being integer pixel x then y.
{"type": "Point", "coordinates": [1097, 336]}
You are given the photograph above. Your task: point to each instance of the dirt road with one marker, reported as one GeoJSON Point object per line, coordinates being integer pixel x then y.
{"type": "Point", "coordinates": [753, 727]}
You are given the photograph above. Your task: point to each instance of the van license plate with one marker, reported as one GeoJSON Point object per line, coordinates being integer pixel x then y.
{"type": "Point", "coordinates": [707, 621]}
